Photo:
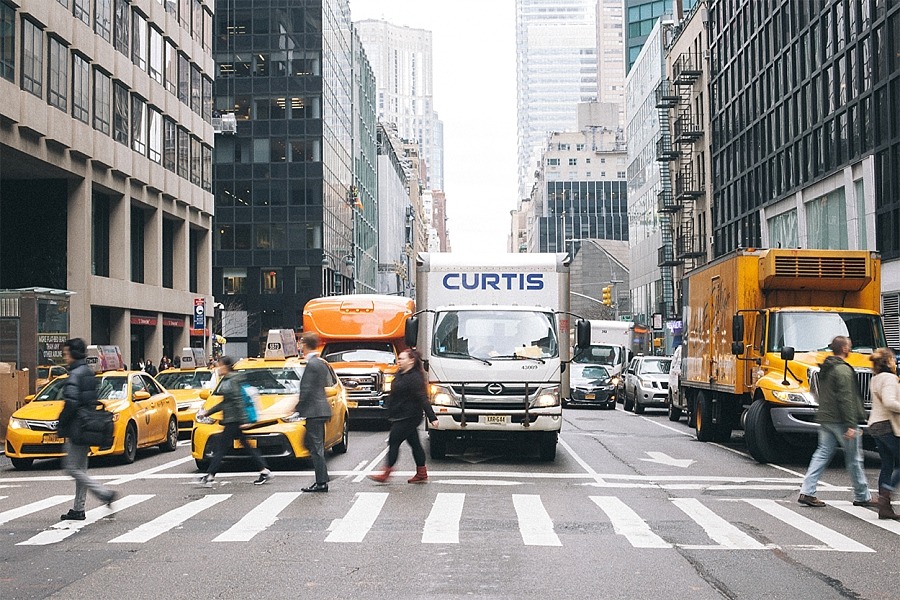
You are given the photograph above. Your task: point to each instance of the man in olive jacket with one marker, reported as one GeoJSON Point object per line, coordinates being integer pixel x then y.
{"type": "Point", "coordinates": [314, 407]}
{"type": "Point", "coordinates": [840, 412]}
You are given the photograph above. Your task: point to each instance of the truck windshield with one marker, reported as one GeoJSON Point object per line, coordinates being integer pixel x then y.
{"type": "Point", "coordinates": [599, 355]}
{"type": "Point", "coordinates": [813, 331]}
{"type": "Point", "coordinates": [500, 334]}
{"type": "Point", "coordinates": [376, 352]}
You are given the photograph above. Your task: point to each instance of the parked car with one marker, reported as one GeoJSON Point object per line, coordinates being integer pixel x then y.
{"type": "Point", "coordinates": [647, 383]}
{"type": "Point", "coordinates": [592, 385]}
{"type": "Point", "coordinates": [675, 403]}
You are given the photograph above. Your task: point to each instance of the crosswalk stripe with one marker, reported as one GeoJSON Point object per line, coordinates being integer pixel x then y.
{"type": "Point", "coordinates": [829, 537]}
{"type": "Point", "coordinates": [535, 524]}
{"type": "Point", "coordinates": [65, 529]}
{"type": "Point", "coordinates": [718, 529]}
{"type": "Point", "coordinates": [259, 519]}
{"type": "Point", "coordinates": [627, 523]}
{"type": "Point", "coordinates": [866, 515]}
{"type": "Point", "coordinates": [442, 525]}
{"type": "Point", "coordinates": [169, 520]}
{"type": "Point", "coordinates": [359, 519]}
{"type": "Point", "coordinates": [15, 513]}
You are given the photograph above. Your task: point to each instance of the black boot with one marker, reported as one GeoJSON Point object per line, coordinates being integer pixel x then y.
{"type": "Point", "coordinates": [73, 515]}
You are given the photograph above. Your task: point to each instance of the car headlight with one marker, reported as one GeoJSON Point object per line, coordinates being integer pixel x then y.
{"type": "Point", "coordinates": [615, 381]}
{"type": "Point", "coordinates": [293, 418]}
{"type": "Point", "coordinates": [548, 397]}
{"type": "Point", "coordinates": [795, 397]}
{"type": "Point", "coordinates": [388, 382]}
{"type": "Point", "coordinates": [205, 420]}
{"type": "Point", "coordinates": [195, 405]}
{"type": "Point", "coordinates": [442, 395]}
{"type": "Point", "coordinates": [15, 423]}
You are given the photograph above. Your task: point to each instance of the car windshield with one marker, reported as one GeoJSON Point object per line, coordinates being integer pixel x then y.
{"type": "Point", "coordinates": [375, 352]}
{"type": "Point", "coordinates": [52, 391]}
{"type": "Point", "coordinates": [43, 372]}
{"type": "Point", "coordinates": [273, 380]}
{"type": "Point", "coordinates": [593, 372]}
{"type": "Point", "coordinates": [193, 380]}
{"type": "Point", "coordinates": [599, 355]}
{"type": "Point", "coordinates": [490, 334]}
{"type": "Point", "coordinates": [655, 366]}
{"type": "Point", "coordinates": [113, 388]}
{"type": "Point", "coordinates": [813, 331]}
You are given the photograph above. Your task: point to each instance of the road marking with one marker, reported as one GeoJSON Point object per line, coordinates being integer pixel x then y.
{"type": "Point", "coordinates": [658, 424]}
{"type": "Point", "coordinates": [779, 467]}
{"type": "Point", "coordinates": [831, 538]}
{"type": "Point", "coordinates": [535, 524]}
{"type": "Point", "coordinates": [664, 459]}
{"type": "Point", "coordinates": [627, 523]}
{"type": "Point", "coordinates": [477, 482]}
{"type": "Point", "coordinates": [866, 515]}
{"type": "Point", "coordinates": [169, 520]}
{"type": "Point", "coordinates": [356, 469]}
{"type": "Point", "coordinates": [371, 466]}
{"type": "Point", "coordinates": [151, 471]}
{"type": "Point", "coordinates": [65, 529]}
{"type": "Point", "coordinates": [442, 525]}
{"type": "Point", "coordinates": [3, 497]}
{"type": "Point", "coordinates": [259, 519]}
{"type": "Point", "coordinates": [15, 513]}
{"type": "Point", "coordinates": [182, 443]}
{"type": "Point", "coordinates": [726, 535]}
{"type": "Point", "coordinates": [359, 519]}
{"type": "Point", "coordinates": [577, 458]}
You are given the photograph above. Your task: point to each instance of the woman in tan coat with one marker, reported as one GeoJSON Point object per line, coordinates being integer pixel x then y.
{"type": "Point", "coordinates": [884, 426]}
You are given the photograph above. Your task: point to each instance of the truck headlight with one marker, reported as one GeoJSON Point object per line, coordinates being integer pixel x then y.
{"type": "Point", "coordinates": [388, 381]}
{"type": "Point", "coordinates": [548, 397]}
{"type": "Point", "coordinates": [795, 397]}
{"type": "Point", "coordinates": [15, 423]}
{"type": "Point", "coordinates": [442, 395]}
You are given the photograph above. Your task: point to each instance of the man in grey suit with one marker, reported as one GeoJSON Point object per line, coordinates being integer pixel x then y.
{"type": "Point", "coordinates": [313, 405]}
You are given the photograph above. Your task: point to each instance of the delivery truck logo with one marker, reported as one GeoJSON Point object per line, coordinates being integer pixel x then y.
{"type": "Point", "coordinates": [494, 281]}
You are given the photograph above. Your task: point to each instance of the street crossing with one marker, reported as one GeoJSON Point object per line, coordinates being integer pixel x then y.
{"type": "Point", "coordinates": [535, 519]}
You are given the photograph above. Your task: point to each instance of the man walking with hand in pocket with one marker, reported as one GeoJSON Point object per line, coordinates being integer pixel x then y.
{"type": "Point", "coordinates": [314, 407]}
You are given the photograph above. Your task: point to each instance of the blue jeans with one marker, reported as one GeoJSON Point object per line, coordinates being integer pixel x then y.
{"type": "Point", "coordinates": [889, 450]}
{"type": "Point", "coordinates": [831, 435]}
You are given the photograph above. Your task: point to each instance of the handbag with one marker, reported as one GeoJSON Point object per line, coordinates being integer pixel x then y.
{"type": "Point", "coordinates": [93, 427]}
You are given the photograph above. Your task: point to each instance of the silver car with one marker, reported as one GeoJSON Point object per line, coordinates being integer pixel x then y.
{"type": "Point", "coordinates": [647, 383]}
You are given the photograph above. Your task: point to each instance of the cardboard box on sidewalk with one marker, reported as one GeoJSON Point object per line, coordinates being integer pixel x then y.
{"type": "Point", "coordinates": [13, 389]}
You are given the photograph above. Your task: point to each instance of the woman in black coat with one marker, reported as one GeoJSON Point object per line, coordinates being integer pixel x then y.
{"type": "Point", "coordinates": [409, 399]}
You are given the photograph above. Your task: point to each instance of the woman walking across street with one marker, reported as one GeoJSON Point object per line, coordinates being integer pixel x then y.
{"type": "Point", "coordinates": [409, 399]}
{"type": "Point", "coordinates": [884, 426]}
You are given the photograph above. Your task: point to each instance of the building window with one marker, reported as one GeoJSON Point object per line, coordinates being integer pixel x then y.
{"type": "Point", "coordinates": [553, 162]}
{"type": "Point", "coordinates": [171, 67]}
{"type": "Point", "coordinates": [197, 22]}
{"type": "Point", "coordinates": [859, 188]}
{"type": "Point", "coordinates": [184, 13]}
{"type": "Point", "coordinates": [207, 168]}
{"type": "Point", "coordinates": [783, 230]}
{"type": "Point", "coordinates": [139, 40]}
{"type": "Point", "coordinates": [184, 151]}
{"type": "Point", "coordinates": [184, 78]}
{"type": "Point", "coordinates": [32, 57]}
{"type": "Point", "coordinates": [271, 281]}
{"type": "Point", "coordinates": [101, 101]}
{"type": "Point", "coordinates": [207, 99]}
{"type": "Point", "coordinates": [579, 147]}
{"type": "Point", "coordinates": [58, 80]}
{"type": "Point", "coordinates": [826, 221]}
{"type": "Point", "coordinates": [195, 239]}
{"type": "Point", "coordinates": [121, 26]}
{"type": "Point", "coordinates": [573, 162]}
{"type": "Point", "coordinates": [155, 62]}
{"type": "Point", "coordinates": [196, 91]}
{"type": "Point", "coordinates": [81, 88]}
{"type": "Point", "coordinates": [120, 113]}
{"type": "Point", "coordinates": [82, 11]}
{"type": "Point", "coordinates": [7, 42]}
{"type": "Point", "coordinates": [172, 7]}
{"type": "Point", "coordinates": [155, 136]}
{"type": "Point", "coordinates": [103, 18]}
{"type": "Point", "coordinates": [138, 125]}
{"type": "Point", "coordinates": [196, 162]}
{"type": "Point", "coordinates": [168, 253]}
{"type": "Point", "coordinates": [100, 235]}
{"type": "Point", "coordinates": [137, 245]}
{"type": "Point", "coordinates": [170, 143]}
{"type": "Point", "coordinates": [234, 281]}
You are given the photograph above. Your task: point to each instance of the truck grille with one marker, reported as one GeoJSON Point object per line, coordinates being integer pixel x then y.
{"type": "Point", "coordinates": [824, 267]}
{"type": "Point", "coordinates": [863, 380]}
{"type": "Point", "coordinates": [366, 385]}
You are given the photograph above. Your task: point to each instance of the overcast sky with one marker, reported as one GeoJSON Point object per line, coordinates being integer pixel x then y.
{"type": "Point", "coordinates": [475, 97]}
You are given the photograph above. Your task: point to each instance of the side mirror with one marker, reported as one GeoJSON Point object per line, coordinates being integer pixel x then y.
{"type": "Point", "coordinates": [331, 392]}
{"type": "Point", "coordinates": [737, 348]}
{"type": "Point", "coordinates": [138, 396]}
{"type": "Point", "coordinates": [205, 394]}
{"type": "Point", "coordinates": [411, 332]}
{"type": "Point", "coordinates": [787, 353]}
{"type": "Point", "coordinates": [737, 330]}
{"type": "Point", "coordinates": [582, 334]}
{"type": "Point", "coordinates": [29, 397]}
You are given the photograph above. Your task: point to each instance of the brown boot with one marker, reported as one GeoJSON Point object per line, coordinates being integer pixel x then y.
{"type": "Point", "coordinates": [421, 476]}
{"type": "Point", "coordinates": [885, 510]}
{"type": "Point", "coordinates": [383, 476]}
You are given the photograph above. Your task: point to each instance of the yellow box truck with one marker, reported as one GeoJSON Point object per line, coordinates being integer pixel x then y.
{"type": "Point", "coordinates": [757, 326]}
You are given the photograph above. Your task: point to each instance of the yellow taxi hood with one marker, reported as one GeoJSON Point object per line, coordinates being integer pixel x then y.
{"type": "Point", "coordinates": [45, 410]}
{"type": "Point", "coordinates": [185, 395]}
{"type": "Point", "coordinates": [271, 406]}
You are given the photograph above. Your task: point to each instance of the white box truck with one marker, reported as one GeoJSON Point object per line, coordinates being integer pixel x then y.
{"type": "Point", "coordinates": [493, 332]}
{"type": "Point", "coordinates": [611, 343]}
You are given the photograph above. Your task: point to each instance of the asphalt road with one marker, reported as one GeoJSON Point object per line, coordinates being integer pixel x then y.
{"type": "Point", "coordinates": [633, 507]}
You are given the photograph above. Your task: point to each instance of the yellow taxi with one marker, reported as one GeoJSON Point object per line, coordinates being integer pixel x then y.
{"type": "Point", "coordinates": [278, 432]}
{"type": "Point", "coordinates": [186, 383]}
{"type": "Point", "coordinates": [144, 416]}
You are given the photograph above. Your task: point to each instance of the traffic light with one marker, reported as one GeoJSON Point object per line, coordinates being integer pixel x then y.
{"type": "Point", "coordinates": [607, 296]}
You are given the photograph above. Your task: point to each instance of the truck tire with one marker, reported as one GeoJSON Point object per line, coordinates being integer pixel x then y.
{"type": "Point", "coordinates": [674, 411]}
{"type": "Point", "coordinates": [763, 442]}
{"type": "Point", "coordinates": [547, 446]}
{"type": "Point", "coordinates": [703, 425]}
{"type": "Point", "coordinates": [437, 444]}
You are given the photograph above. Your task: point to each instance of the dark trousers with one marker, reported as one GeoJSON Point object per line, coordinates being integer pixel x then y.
{"type": "Point", "coordinates": [233, 432]}
{"type": "Point", "coordinates": [405, 430]}
{"type": "Point", "coordinates": [314, 440]}
{"type": "Point", "coordinates": [889, 451]}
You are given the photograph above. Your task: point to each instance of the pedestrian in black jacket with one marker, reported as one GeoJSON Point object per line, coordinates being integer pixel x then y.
{"type": "Point", "coordinates": [409, 399]}
{"type": "Point", "coordinates": [79, 393]}
{"type": "Point", "coordinates": [314, 407]}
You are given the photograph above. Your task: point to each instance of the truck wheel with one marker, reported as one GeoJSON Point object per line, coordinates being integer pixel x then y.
{"type": "Point", "coordinates": [763, 442]}
{"type": "Point", "coordinates": [437, 444]}
{"type": "Point", "coordinates": [638, 407]}
{"type": "Point", "coordinates": [703, 425]}
{"type": "Point", "coordinates": [548, 446]}
{"type": "Point", "coordinates": [674, 412]}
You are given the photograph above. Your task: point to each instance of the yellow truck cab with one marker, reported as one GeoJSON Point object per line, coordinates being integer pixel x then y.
{"type": "Point", "coordinates": [758, 326]}
{"type": "Point", "coordinates": [185, 384]}
{"type": "Point", "coordinates": [144, 414]}
{"type": "Point", "coordinates": [278, 431]}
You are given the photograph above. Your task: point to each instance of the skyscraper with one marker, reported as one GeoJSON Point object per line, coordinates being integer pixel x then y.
{"type": "Point", "coordinates": [611, 54]}
{"type": "Point", "coordinates": [556, 68]}
{"type": "Point", "coordinates": [641, 16]}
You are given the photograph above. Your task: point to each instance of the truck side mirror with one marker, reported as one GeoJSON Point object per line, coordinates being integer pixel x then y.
{"type": "Point", "coordinates": [411, 332]}
{"type": "Point", "coordinates": [787, 353]}
{"type": "Point", "coordinates": [737, 329]}
{"type": "Point", "coordinates": [582, 334]}
{"type": "Point", "coordinates": [737, 348]}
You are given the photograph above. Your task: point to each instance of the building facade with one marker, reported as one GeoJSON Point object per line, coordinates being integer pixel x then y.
{"type": "Point", "coordinates": [597, 264]}
{"type": "Point", "coordinates": [641, 16]}
{"type": "Point", "coordinates": [611, 54]}
{"type": "Point", "coordinates": [396, 217]}
{"type": "Point", "coordinates": [364, 192]}
{"type": "Point", "coordinates": [105, 165]}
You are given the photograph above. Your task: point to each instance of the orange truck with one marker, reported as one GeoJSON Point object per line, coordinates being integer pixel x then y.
{"type": "Point", "coordinates": [361, 335]}
{"type": "Point", "coordinates": [757, 326]}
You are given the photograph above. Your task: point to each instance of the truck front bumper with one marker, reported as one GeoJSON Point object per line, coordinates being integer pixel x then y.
{"type": "Point", "coordinates": [794, 419]}
{"type": "Point", "coordinates": [538, 419]}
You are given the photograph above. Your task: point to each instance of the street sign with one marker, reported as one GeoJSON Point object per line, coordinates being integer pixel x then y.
{"type": "Point", "coordinates": [657, 321]}
{"type": "Point", "coordinates": [199, 313]}
{"type": "Point", "coordinates": [626, 318]}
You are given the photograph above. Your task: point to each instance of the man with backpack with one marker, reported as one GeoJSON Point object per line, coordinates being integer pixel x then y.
{"type": "Point", "coordinates": [234, 415]}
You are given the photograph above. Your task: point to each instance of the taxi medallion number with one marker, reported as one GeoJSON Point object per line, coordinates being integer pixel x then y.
{"type": "Point", "coordinates": [250, 442]}
{"type": "Point", "coordinates": [52, 438]}
{"type": "Point", "coordinates": [494, 419]}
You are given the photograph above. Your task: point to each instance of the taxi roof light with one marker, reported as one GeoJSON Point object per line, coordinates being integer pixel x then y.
{"type": "Point", "coordinates": [104, 358]}
{"type": "Point", "coordinates": [193, 358]}
{"type": "Point", "coordinates": [281, 344]}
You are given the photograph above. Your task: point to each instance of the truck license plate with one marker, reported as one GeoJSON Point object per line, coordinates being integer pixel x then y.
{"type": "Point", "coordinates": [52, 438]}
{"type": "Point", "coordinates": [250, 442]}
{"type": "Point", "coordinates": [494, 419]}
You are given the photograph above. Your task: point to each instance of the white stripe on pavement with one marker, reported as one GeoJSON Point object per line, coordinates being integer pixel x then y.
{"type": "Point", "coordinates": [831, 538]}
{"type": "Point", "coordinates": [718, 529]}
{"type": "Point", "coordinates": [359, 519]}
{"type": "Point", "coordinates": [259, 519]}
{"type": "Point", "coordinates": [63, 530]}
{"type": "Point", "coordinates": [442, 525]}
{"type": "Point", "coordinates": [534, 522]}
{"type": "Point", "coordinates": [371, 466]}
{"type": "Point", "coordinates": [15, 513]}
{"type": "Point", "coordinates": [3, 497]}
{"type": "Point", "coordinates": [627, 523]}
{"type": "Point", "coordinates": [157, 469]}
{"type": "Point", "coordinates": [169, 520]}
{"type": "Point", "coordinates": [869, 516]}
